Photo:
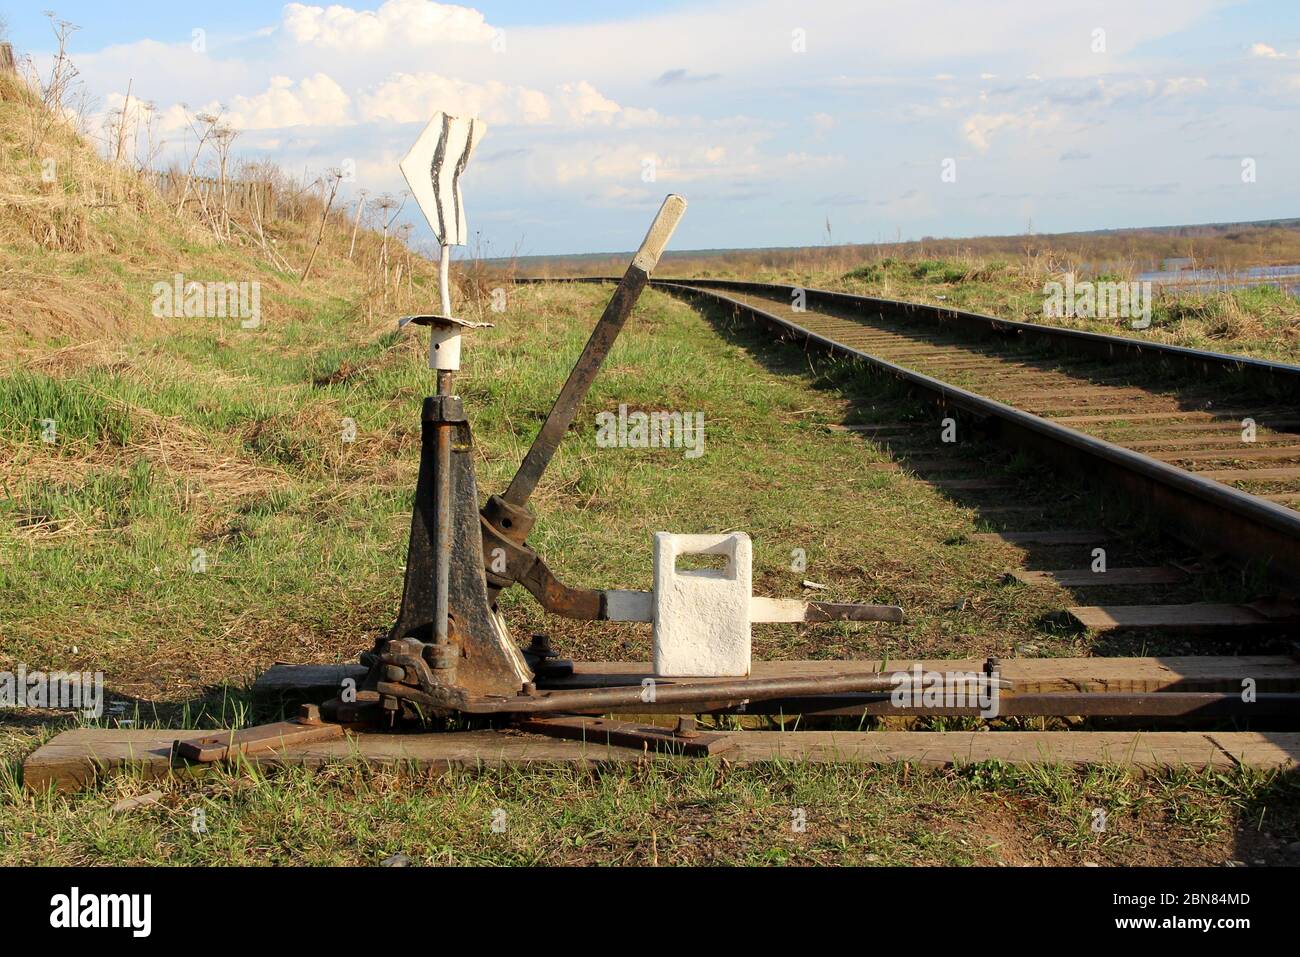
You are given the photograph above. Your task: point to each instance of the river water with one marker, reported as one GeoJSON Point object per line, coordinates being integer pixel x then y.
{"type": "Point", "coordinates": [1172, 278]}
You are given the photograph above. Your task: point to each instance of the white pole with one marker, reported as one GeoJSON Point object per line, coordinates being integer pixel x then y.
{"type": "Point", "coordinates": [444, 344]}
{"type": "Point", "coordinates": [444, 279]}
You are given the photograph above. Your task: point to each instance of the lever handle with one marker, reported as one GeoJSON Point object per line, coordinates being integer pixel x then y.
{"type": "Point", "coordinates": [661, 230]}
{"type": "Point", "coordinates": [593, 354]}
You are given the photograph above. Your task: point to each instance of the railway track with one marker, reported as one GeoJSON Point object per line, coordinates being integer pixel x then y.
{"type": "Point", "coordinates": [1207, 443]}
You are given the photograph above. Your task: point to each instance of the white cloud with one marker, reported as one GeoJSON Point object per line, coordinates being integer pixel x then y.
{"type": "Point", "coordinates": [589, 163]}
{"type": "Point", "coordinates": [313, 101]}
{"type": "Point", "coordinates": [414, 97]}
{"type": "Point", "coordinates": [582, 102]}
{"type": "Point", "coordinates": [823, 123]}
{"type": "Point", "coordinates": [395, 23]}
{"type": "Point", "coordinates": [1265, 51]}
{"type": "Point", "coordinates": [979, 129]}
{"type": "Point", "coordinates": [1180, 85]}
{"type": "Point", "coordinates": [132, 110]}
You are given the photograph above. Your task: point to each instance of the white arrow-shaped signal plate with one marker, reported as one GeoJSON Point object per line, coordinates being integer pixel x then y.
{"type": "Point", "coordinates": [433, 168]}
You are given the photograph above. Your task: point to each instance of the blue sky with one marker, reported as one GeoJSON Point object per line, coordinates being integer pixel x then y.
{"type": "Point", "coordinates": [888, 119]}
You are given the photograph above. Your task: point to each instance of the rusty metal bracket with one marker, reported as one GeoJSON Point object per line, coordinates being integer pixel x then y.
{"type": "Point", "coordinates": [508, 560]}
{"type": "Point", "coordinates": [227, 745]}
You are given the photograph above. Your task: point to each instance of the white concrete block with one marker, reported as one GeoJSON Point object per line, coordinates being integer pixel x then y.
{"type": "Point", "coordinates": [702, 616]}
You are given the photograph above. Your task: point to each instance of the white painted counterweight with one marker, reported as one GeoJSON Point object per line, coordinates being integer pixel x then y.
{"type": "Point", "coordinates": [702, 616]}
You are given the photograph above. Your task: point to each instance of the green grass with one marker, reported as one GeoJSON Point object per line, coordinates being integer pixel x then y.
{"type": "Point", "coordinates": [655, 813]}
{"type": "Point", "coordinates": [230, 441]}
{"type": "Point", "coordinates": [78, 408]}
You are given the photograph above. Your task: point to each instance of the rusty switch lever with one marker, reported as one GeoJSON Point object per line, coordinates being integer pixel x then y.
{"type": "Point", "coordinates": [594, 353]}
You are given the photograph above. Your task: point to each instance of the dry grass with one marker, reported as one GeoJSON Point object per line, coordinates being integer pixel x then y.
{"type": "Point", "coordinates": [86, 239]}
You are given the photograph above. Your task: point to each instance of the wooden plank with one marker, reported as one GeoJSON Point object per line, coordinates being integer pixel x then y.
{"type": "Point", "coordinates": [1244, 454]}
{"type": "Point", "coordinates": [1086, 394]}
{"type": "Point", "coordinates": [1230, 439]}
{"type": "Point", "coordinates": [1286, 498]}
{"type": "Point", "coordinates": [994, 510]}
{"type": "Point", "coordinates": [1221, 416]}
{"type": "Point", "coordinates": [885, 428]}
{"type": "Point", "coordinates": [1251, 475]}
{"type": "Point", "coordinates": [1209, 428]}
{"type": "Point", "coordinates": [1144, 750]}
{"type": "Point", "coordinates": [305, 680]}
{"type": "Point", "coordinates": [75, 759]}
{"type": "Point", "coordinates": [1198, 615]}
{"type": "Point", "coordinates": [1086, 577]}
{"type": "Point", "coordinates": [964, 358]}
{"type": "Point", "coordinates": [1077, 537]}
{"type": "Point", "coordinates": [1048, 409]}
{"type": "Point", "coordinates": [939, 464]}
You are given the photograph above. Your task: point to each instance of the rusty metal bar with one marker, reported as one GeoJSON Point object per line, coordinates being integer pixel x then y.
{"type": "Point", "coordinates": [576, 386]}
{"type": "Point", "coordinates": [840, 611]}
{"type": "Point", "coordinates": [442, 521]}
{"type": "Point", "coordinates": [627, 734]}
{"type": "Point", "coordinates": [661, 691]}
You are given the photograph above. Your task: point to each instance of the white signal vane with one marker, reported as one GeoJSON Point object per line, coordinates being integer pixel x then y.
{"type": "Point", "coordinates": [433, 169]}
